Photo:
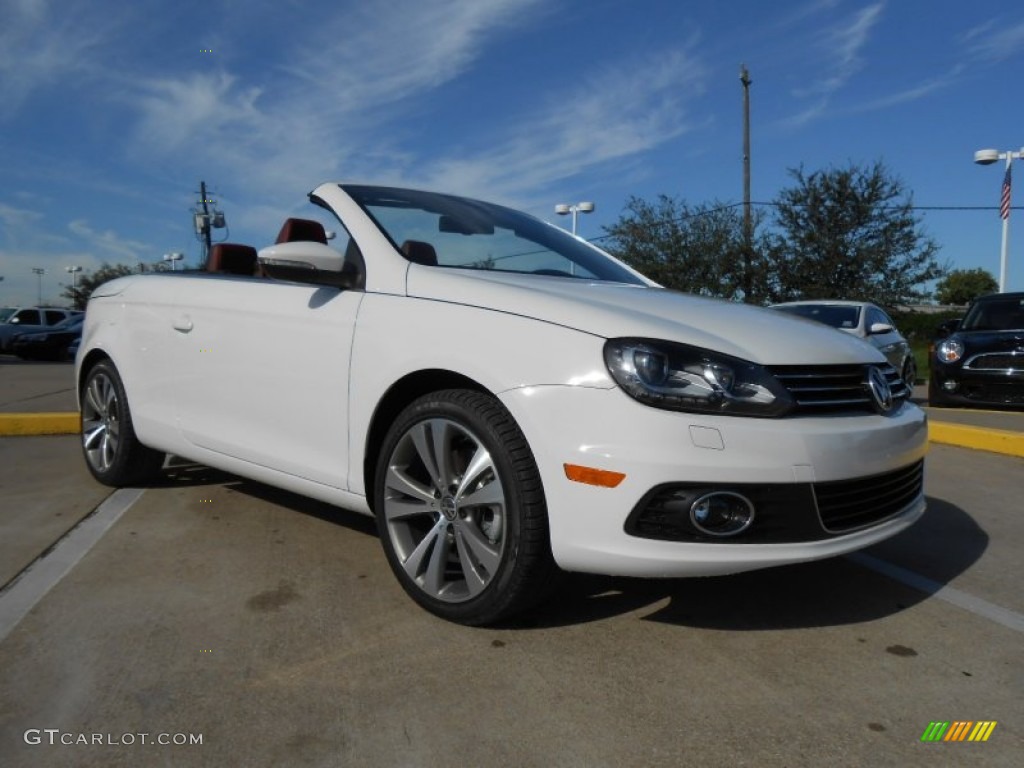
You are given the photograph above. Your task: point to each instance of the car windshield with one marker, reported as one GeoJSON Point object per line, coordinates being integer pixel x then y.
{"type": "Point", "coordinates": [470, 234]}
{"type": "Point", "coordinates": [69, 323]}
{"type": "Point", "coordinates": [1005, 314]}
{"type": "Point", "coordinates": [836, 315]}
{"type": "Point", "coordinates": [6, 312]}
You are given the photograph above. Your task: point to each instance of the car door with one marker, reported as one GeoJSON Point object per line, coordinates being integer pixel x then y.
{"type": "Point", "coordinates": [262, 372]}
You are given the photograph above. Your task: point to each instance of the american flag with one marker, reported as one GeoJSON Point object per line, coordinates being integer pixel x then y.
{"type": "Point", "coordinates": [1004, 202]}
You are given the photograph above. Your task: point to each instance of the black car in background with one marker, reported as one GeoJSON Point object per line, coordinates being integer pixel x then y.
{"type": "Point", "coordinates": [980, 361]}
{"type": "Point", "coordinates": [51, 344]}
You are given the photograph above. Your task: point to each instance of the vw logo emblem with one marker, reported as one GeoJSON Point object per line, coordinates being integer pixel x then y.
{"type": "Point", "coordinates": [878, 386]}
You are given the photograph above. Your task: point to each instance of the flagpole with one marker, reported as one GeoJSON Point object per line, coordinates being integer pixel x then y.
{"type": "Point", "coordinates": [987, 157]}
{"type": "Point", "coordinates": [1004, 211]}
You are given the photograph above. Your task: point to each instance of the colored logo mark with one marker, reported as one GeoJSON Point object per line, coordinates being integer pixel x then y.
{"type": "Point", "coordinates": [959, 730]}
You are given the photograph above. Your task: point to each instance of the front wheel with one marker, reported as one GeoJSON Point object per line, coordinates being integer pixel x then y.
{"type": "Point", "coordinates": [910, 372]}
{"type": "Point", "coordinates": [112, 452]}
{"type": "Point", "coordinates": [460, 509]}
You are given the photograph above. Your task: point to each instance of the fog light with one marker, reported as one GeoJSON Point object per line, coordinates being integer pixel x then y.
{"type": "Point", "coordinates": [722, 513]}
{"type": "Point", "coordinates": [949, 386]}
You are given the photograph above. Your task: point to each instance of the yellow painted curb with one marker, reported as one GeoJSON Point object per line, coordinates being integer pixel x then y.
{"type": "Point", "coordinates": [20, 424]}
{"type": "Point", "coordinates": [979, 438]}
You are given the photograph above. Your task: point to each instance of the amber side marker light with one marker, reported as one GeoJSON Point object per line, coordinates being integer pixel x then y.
{"type": "Point", "coordinates": [592, 476]}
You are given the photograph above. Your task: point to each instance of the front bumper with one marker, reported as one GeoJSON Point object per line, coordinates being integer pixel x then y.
{"type": "Point", "coordinates": [605, 429]}
{"type": "Point", "coordinates": [999, 389]}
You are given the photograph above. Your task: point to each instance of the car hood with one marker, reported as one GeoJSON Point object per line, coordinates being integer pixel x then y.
{"type": "Point", "coordinates": [994, 340]}
{"type": "Point", "coordinates": [614, 310]}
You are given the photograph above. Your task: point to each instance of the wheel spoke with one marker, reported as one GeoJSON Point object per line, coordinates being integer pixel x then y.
{"type": "Point", "coordinates": [93, 399]}
{"type": "Point", "coordinates": [92, 432]}
{"type": "Point", "coordinates": [403, 509]}
{"type": "Point", "coordinates": [433, 442]}
{"type": "Point", "coordinates": [398, 480]}
{"type": "Point", "coordinates": [491, 492]}
{"type": "Point", "coordinates": [426, 563]}
{"type": "Point", "coordinates": [475, 550]}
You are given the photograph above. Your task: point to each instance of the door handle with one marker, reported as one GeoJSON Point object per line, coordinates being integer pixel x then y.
{"type": "Point", "coordinates": [183, 324]}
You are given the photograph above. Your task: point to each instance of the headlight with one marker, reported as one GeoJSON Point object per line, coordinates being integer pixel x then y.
{"type": "Point", "coordinates": [949, 350]}
{"type": "Point", "coordinates": [684, 378]}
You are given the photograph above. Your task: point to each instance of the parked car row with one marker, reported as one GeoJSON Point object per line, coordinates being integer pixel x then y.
{"type": "Point", "coordinates": [40, 333]}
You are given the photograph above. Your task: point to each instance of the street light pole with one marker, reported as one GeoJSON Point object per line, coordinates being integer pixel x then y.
{"type": "Point", "coordinates": [74, 283]}
{"type": "Point", "coordinates": [563, 208]}
{"type": "Point", "coordinates": [748, 228]}
{"type": "Point", "coordinates": [39, 272]}
{"type": "Point", "coordinates": [987, 157]}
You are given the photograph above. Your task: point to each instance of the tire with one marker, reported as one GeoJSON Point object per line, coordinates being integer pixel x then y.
{"type": "Point", "coordinates": [113, 454]}
{"type": "Point", "coordinates": [460, 509]}
{"type": "Point", "coordinates": [910, 372]}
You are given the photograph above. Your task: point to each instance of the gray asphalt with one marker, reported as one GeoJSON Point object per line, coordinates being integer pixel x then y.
{"type": "Point", "coordinates": [271, 627]}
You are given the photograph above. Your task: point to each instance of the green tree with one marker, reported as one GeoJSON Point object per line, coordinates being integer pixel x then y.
{"type": "Point", "coordinates": [90, 281]}
{"type": "Point", "coordinates": [962, 286]}
{"type": "Point", "coordinates": [850, 233]}
{"type": "Point", "coordinates": [698, 249]}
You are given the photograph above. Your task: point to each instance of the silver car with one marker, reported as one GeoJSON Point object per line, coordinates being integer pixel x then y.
{"type": "Point", "coordinates": [864, 320]}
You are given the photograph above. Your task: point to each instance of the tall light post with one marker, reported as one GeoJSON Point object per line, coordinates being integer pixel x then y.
{"type": "Point", "coordinates": [39, 272]}
{"type": "Point", "coordinates": [563, 209]}
{"type": "Point", "coordinates": [74, 282]}
{"type": "Point", "coordinates": [987, 157]}
{"type": "Point", "coordinates": [174, 258]}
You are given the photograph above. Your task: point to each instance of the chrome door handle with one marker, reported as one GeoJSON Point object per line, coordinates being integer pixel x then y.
{"type": "Point", "coordinates": [183, 324]}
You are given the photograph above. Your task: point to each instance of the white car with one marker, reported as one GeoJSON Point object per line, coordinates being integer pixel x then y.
{"type": "Point", "coordinates": [505, 398]}
{"type": "Point", "coordinates": [865, 321]}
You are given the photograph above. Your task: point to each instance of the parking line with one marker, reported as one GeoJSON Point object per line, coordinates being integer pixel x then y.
{"type": "Point", "coordinates": [975, 605]}
{"type": "Point", "coordinates": [31, 585]}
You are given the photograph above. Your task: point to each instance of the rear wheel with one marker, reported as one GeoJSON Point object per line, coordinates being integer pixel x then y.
{"type": "Point", "coordinates": [112, 452]}
{"type": "Point", "coordinates": [461, 509]}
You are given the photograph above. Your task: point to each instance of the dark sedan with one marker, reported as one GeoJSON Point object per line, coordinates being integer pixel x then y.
{"type": "Point", "coordinates": [49, 345]}
{"type": "Point", "coordinates": [981, 361]}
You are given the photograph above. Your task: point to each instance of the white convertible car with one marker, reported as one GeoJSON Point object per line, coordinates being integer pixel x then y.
{"type": "Point", "coordinates": [505, 398]}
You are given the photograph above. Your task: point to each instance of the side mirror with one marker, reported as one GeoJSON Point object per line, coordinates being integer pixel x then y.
{"type": "Point", "coordinates": [947, 328]}
{"type": "Point", "coordinates": [877, 328]}
{"type": "Point", "coordinates": [307, 262]}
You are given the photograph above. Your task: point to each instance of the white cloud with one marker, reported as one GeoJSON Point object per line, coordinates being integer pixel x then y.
{"type": "Point", "coordinates": [108, 246]}
{"type": "Point", "coordinates": [841, 46]}
{"type": "Point", "coordinates": [614, 115]}
{"type": "Point", "coordinates": [39, 48]}
{"type": "Point", "coordinates": [993, 41]}
{"type": "Point", "coordinates": [200, 108]}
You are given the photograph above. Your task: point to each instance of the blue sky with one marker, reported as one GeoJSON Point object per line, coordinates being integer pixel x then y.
{"type": "Point", "coordinates": [111, 113]}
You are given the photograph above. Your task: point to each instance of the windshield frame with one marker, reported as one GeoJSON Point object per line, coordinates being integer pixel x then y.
{"type": "Point", "coordinates": [452, 222]}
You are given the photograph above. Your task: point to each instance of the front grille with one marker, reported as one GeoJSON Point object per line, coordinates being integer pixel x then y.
{"type": "Point", "coordinates": [847, 505]}
{"type": "Point", "coordinates": [1005, 393]}
{"type": "Point", "coordinates": [997, 362]}
{"type": "Point", "coordinates": [835, 388]}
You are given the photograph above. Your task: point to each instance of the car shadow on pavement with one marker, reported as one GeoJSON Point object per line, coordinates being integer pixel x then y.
{"type": "Point", "coordinates": [832, 592]}
{"type": "Point", "coordinates": [179, 472]}
{"type": "Point", "coordinates": [944, 543]}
